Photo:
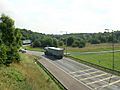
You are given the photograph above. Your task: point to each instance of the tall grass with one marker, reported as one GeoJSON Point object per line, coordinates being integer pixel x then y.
{"type": "Point", "coordinates": [26, 75]}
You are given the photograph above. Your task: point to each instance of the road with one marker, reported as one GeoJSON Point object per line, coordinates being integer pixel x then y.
{"type": "Point", "coordinates": [107, 51]}
{"type": "Point", "coordinates": [90, 77]}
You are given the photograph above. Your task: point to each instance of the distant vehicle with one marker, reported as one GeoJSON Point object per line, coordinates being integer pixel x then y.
{"type": "Point", "coordinates": [23, 50]}
{"type": "Point", "coordinates": [55, 52]}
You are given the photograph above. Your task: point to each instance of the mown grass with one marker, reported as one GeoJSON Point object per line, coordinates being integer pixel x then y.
{"type": "Point", "coordinates": [94, 47]}
{"type": "Point", "coordinates": [28, 47]}
{"type": "Point", "coordinates": [26, 75]}
{"type": "Point", "coordinates": [103, 59]}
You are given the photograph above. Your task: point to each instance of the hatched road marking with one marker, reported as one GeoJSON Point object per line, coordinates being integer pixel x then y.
{"type": "Point", "coordinates": [81, 71]}
{"type": "Point", "coordinates": [86, 73]}
{"type": "Point", "coordinates": [94, 76]}
{"type": "Point", "coordinates": [108, 85]}
{"type": "Point", "coordinates": [90, 79]}
{"type": "Point", "coordinates": [100, 80]}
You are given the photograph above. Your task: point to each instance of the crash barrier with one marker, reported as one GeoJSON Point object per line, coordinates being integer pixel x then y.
{"type": "Point", "coordinates": [96, 66]}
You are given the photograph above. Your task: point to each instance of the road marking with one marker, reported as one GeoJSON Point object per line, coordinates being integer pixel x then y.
{"type": "Point", "coordinates": [68, 73]}
{"type": "Point", "coordinates": [85, 73]}
{"type": "Point", "coordinates": [100, 80]}
{"type": "Point", "coordinates": [94, 76]}
{"type": "Point", "coordinates": [81, 70]}
{"type": "Point", "coordinates": [109, 84]}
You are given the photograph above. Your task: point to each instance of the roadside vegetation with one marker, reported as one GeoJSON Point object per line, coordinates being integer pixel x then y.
{"type": "Point", "coordinates": [28, 47]}
{"type": "Point", "coordinates": [23, 74]}
{"type": "Point", "coordinates": [74, 40]}
{"type": "Point", "coordinates": [95, 47]}
{"type": "Point", "coordinates": [19, 71]}
{"type": "Point", "coordinates": [26, 75]}
{"type": "Point", "coordinates": [10, 41]}
{"type": "Point", "coordinates": [102, 59]}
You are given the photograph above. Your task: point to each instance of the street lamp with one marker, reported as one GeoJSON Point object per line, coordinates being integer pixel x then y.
{"type": "Point", "coordinates": [112, 49]}
{"type": "Point", "coordinates": [65, 42]}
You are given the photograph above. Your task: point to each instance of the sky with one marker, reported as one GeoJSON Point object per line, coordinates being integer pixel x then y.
{"type": "Point", "coordinates": [61, 16]}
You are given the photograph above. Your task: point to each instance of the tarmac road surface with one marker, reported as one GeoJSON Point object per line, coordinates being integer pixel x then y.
{"type": "Point", "coordinates": [90, 77]}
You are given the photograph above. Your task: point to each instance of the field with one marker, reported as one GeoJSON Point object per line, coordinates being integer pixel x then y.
{"type": "Point", "coordinates": [102, 59]}
{"type": "Point", "coordinates": [25, 76]}
{"type": "Point", "coordinates": [94, 47]}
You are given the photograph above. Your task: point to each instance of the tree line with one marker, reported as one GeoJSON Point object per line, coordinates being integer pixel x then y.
{"type": "Point", "coordinates": [73, 39]}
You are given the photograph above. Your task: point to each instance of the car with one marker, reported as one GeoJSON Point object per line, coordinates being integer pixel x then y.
{"type": "Point", "coordinates": [23, 50]}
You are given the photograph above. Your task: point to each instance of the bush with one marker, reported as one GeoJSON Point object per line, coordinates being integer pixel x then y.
{"type": "Point", "coordinates": [95, 41]}
{"type": "Point", "coordinates": [70, 41]}
{"type": "Point", "coordinates": [82, 44]}
{"type": "Point", "coordinates": [76, 43]}
{"type": "Point", "coordinates": [36, 43]}
{"type": "Point", "coordinates": [61, 43]}
{"type": "Point", "coordinates": [3, 54]}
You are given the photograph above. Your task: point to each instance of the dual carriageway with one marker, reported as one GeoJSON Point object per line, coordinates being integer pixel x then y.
{"type": "Point", "coordinates": [90, 77]}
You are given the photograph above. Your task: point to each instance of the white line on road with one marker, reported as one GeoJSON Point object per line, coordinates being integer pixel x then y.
{"type": "Point", "coordinates": [77, 79]}
{"type": "Point", "coordinates": [69, 74]}
{"type": "Point", "coordinates": [109, 84]}
{"type": "Point", "coordinates": [86, 73]}
{"type": "Point", "coordinates": [100, 80]}
{"type": "Point", "coordinates": [81, 71]}
{"type": "Point", "coordinates": [94, 76]}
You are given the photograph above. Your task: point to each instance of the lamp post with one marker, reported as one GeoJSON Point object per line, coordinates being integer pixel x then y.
{"type": "Point", "coordinates": [112, 50]}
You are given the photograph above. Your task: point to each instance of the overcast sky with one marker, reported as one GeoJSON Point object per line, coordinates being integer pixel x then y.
{"type": "Point", "coordinates": [73, 16]}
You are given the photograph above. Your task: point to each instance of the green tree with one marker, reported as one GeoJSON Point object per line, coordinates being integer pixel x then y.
{"type": "Point", "coordinates": [61, 43]}
{"type": "Point", "coordinates": [47, 41]}
{"type": "Point", "coordinates": [82, 44]}
{"type": "Point", "coordinates": [55, 42]}
{"type": "Point", "coordinates": [36, 43]}
{"type": "Point", "coordinates": [3, 55]}
{"type": "Point", "coordinates": [76, 43]}
{"type": "Point", "coordinates": [95, 41]}
{"type": "Point", "coordinates": [70, 41]}
{"type": "Point", "coordinates": [11, 38]}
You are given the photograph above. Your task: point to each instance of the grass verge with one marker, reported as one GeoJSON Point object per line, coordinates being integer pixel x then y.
{"type": "Point", "coordinates": [101, 61]}
{"type": "Point", "coordinates": [26, 75]}
{"type": "Point", "coordinates": [28, 47]}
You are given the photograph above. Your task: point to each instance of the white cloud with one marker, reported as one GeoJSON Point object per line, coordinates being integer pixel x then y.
{"type": "Point", "coordinates": [52, 16]}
